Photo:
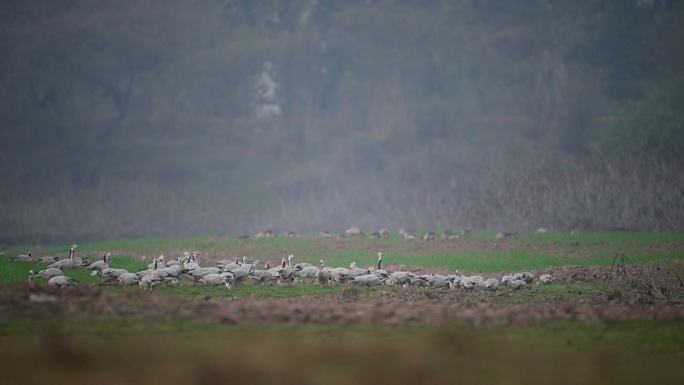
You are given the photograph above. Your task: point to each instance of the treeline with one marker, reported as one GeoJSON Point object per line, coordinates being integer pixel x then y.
{"type": "Point", "coordinates": [149, 117]}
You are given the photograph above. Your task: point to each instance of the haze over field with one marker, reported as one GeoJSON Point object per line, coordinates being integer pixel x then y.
{"type": "Point", "coordinates": [150, 117]}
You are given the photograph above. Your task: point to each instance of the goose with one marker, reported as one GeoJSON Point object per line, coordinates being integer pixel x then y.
{"type": "Point", "coordinates": [168, 274]}
{"type": "Point", "coordinates": [22, 258]}
{"type": "Point", "coordinates": [507, 278]}
{"type": "Point", "coordinates": [261, 276]}
{"type": "Point", "coordinates": [323, 275]}
{"type": "Point", "coordinates": [354, 232]}
{"type": "Point", "coordinates": [150, 282]}
{"type": "Point", "coordinates": [197, 274]}
{"type": "Point", "coordinates": [100, 265]}
{"type": "Point", "coordinates": [47, 259]}
{"type": "Point", "coordinates": [492, 284]}
{"type": "Point", "coordinates": [518, 285]}
{"type": "Point", "coordinates": [505, 234]}
{"type": "Point", "coordinates": [268, 233]}
{"type": "Point", "coordinates": [218, 280]}
{"type": "Point", "coordinates": [61, 281]}
{"type": "Point", "coordinates": [109, 275]}
{"type": "Point", "coordinates": [454, 280]}
{"type": "Point", "coordinates": [286, 273]}
{"type": "Point", "coordinates": [302, 266]}
{"type": "Point", "coordinates": [309, 272]}
{"type": "Point", "coordinates": [68, 263]}
{"type": "Point", "coordinates": [249, 266]}
{"type": "Point", "coordinates": [227, 264]}
{"type": "Point", "coordinates": [384, 233]}
{"type": "Point", "coordinates": [340, 274]}
{"type": "Point", "coordinates": [110, 272]}
{"type": "Point", "coordinates": [545, 279]}
{"type": "Point", "coordinates": [419, 281]}
{"type": "Point", "coordinates": [448, 235]}
{"type": "Point", "coordinates": [367, 280]}
{"type": "Point", "coordinates": [400, 278]}
{"type": "Point", "coordinates": [128, 279]}
{"type": "Point", "coordinates": [355, 271]}
{"type": "Point", "coordinates": [469, 283]}
{"type": "Point", "coordinates": [379, 271]}
{"type": "Point", "coordinates": [240, 274]}
{"type": "Point", "coordinates": [157, 263]}
{"type": "Point", "coordinates": [275, 271]}
{"type": "Point", "coordinates": [175, 262]}
{"type": "Point", "coordinates": [528, 277]}
{"type": "Point", "coordinates": [192, 262]}
{"type": "Point", "coordinates": [47, 273]}
{"type": "Point", "coordinates": [429, 236]}
{"type": "Point", "coordinates": [438, 281]}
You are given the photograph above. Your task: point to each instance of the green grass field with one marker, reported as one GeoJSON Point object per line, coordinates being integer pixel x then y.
{"type": "Point", "coordinates": [186, 351]}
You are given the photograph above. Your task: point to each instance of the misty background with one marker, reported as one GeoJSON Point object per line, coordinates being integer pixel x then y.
{"type": "Point", "coordinates": [148, 117]}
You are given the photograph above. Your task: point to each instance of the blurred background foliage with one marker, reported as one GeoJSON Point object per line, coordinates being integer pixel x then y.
{"type": "Point", "coordinates": [150, 117]}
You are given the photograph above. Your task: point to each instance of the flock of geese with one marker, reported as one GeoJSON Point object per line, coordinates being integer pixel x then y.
{"type": "Point", "coordinates": [233, 272]}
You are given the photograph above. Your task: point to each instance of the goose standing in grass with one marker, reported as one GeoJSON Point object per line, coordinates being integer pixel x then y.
{"type": "Point", "coordinates": [545, 279]}
{"type": "Point", "coordinates": [379, 271]}
{"type": "Point", "coordinates": [323, 275]}
{"type": "Point", "coordinates": [192, 262]}
{"type": "Point", "coordinates": [240, 274]}
{"type": "Point", "coordinates": [286, 273]}
{"type": "Point", "coordinates": [249, 266]}
{"type": "Point", "coordinates": [68, 263]}
{"type": "Point", "coordinates": [102, 264]}
{"type": "Point", "coordinates": [26, 258]}
{"type": "Point", "coordinates": [157, 263]}
{"type": "Point", "coordinates": [128, 279]}
{"type": "Point", "coordinates": [61, 281]}
{"type": "Point", "coordinates": [47, 273]}
{"type": "Point", "coordinates": [168, 274]}
{"type": "Point", "coordinates": [150, 282]}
